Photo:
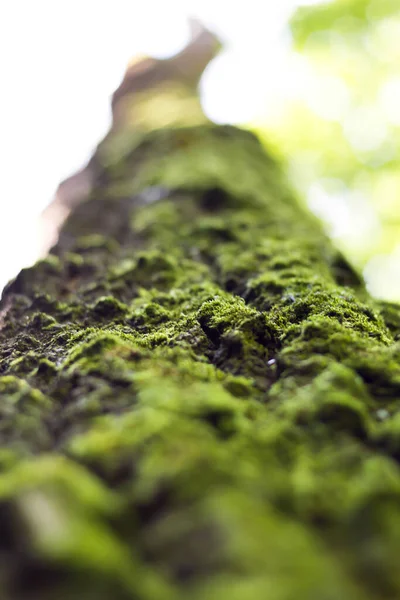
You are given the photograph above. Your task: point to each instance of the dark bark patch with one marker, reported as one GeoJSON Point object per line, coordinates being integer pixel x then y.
{"type": "Point", "coordinates": [215, 199]}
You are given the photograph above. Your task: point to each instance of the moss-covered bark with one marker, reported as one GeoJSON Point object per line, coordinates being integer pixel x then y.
{"type": "Point", "coordinates": [197, 396]}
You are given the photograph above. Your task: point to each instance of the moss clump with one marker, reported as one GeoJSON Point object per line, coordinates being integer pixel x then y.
{"type": "Point", "coordinates": [108, 308]}
{"type": "Point", "coordinates": [198, 397]}
{"type": "Point", "coordinates": [23, 414]}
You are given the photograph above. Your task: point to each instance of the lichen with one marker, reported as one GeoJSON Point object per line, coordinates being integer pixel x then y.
{"type": "Point", "coordinates": [198, 398]}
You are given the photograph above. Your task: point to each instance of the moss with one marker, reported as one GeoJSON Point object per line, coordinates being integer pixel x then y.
{"type": "Point", "coordinates": [23, 414]}
{"type": "Point", "coordinates": [198, 398]}
{"type": "Point", "coordinates": [337, 398]}
{"type": "Point", "coordinates": [391, 314]}
{"type": "Point", "coordinates": [94, 242]}
{"type": "Point", "coordinates": [37, 277]}
{"type": "Point", "coordinates": [46, 370]}
{"type": "Point", "coordinates": [239, 387]}
{"type": "Point", "coordinates": [39, 321]}
{"type": "Point", "coordinates": [108, 307]}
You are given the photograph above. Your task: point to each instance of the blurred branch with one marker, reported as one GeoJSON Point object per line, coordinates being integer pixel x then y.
{"type": "Point", "coordinates": [153, 93]}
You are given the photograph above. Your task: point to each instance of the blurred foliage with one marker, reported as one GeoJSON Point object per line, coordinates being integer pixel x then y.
{"type": "Point", "coordinates": [341, 135]}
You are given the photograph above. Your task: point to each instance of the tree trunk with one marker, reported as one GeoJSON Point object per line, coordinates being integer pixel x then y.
{"type": "Point", "coordinates": [198, 397]}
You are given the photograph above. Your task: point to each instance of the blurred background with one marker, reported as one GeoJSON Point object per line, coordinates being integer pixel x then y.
{"type": "Point", "coordinates": [318, 81]}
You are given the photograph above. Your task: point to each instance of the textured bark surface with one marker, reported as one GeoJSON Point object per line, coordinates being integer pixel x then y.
{"type": "Point", "coordinates": [198, 399]}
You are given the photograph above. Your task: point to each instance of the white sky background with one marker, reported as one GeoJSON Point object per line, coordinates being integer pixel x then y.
{"type": "Point", "coordinates": [61, 61]}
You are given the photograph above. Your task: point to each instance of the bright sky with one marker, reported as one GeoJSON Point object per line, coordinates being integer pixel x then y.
{"type": "Point", "coordinates": [61, 61]}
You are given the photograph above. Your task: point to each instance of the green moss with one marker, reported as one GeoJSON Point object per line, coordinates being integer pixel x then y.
{"type": "Point", "coordinates": [23, 414]}
{"type": "Point", "coordinates": [191, 402]}
{"type": "Point", "coordinates": [391, 314]}
{"type": "Point", "coordinates": [95, 241]}
{"type": "Point", "coordinates": [37, 277]}
{"type": "Point", "coordinates": [108, 307]}
{"type": "Point", "coordinates": [337, 398]}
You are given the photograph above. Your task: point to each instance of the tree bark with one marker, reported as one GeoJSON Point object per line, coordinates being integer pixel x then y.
{"type": "Point", "coordinates": [198, 397]}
